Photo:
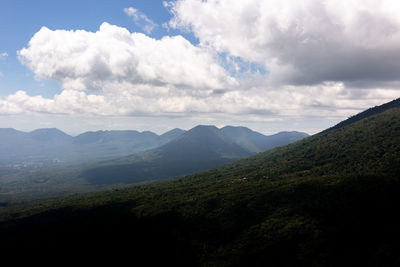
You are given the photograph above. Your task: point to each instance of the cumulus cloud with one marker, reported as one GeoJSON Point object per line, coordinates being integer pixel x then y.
{"type": "Point", "coordinates": [301, 42]}
{"type": "Point", "coordinates": [84, 60]}
{"type": "Point", "coordinates": [140, 19]}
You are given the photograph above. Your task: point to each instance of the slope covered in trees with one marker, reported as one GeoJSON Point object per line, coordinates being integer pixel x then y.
{"type": "Point", "coordinates": [328, 200]}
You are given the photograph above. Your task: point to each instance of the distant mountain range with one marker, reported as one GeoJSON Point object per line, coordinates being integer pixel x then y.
{"type": "Point", "coordinates": [202, 147]}
{"type": "Point", "coordinates": [52, 145]}
{"type": "Point", "coordinates": [47, 145]}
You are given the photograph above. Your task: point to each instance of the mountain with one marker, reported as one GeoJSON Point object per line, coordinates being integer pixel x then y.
{"type": "Point", "coordinates": [204, 142]}
{"type": "Point", "coordinates": [172, 134]}
{"type": "Point", "coordinates": [200, 148]}
{"type": "Point", "coordinates": [10, 140]}
{"type": "Point", "coordinates": [103, 137]}
{"type": "Point", "coordinates": [256, 142]}
{"type": "Point", "coordinates": [36, 146]}
{"type": "Point", "coordinates": [49, 134]}
{"type": "Point", "coordinates": [6, 133]}
{"type": "Point", "coordinates": [328, 200]}
{"type": "Point", "coordinates": [252, 141]}
{"type": "Point", "coordinates": [107, 144]}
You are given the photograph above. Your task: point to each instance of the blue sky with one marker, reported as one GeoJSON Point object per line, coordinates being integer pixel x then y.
{"type": "Point", "coordinates": [21, 19]}
{"type": "Point", "coordinates": [155, 65]}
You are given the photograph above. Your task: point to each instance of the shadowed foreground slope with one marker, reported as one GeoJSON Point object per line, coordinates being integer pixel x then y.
{"type": "Point", "coordinates": [331, 200]}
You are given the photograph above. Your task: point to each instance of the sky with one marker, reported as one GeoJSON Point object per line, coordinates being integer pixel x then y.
{"type": "Point", "coordinates": [270, 65]}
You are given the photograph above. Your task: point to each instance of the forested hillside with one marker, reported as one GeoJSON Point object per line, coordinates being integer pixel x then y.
{"type": "Point", "coordinates": [328, 200]}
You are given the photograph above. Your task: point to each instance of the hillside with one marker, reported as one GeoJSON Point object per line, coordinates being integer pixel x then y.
{"type": "Point", "coordinates": [328, 200]}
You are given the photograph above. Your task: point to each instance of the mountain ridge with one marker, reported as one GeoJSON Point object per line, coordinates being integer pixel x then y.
{"type": "Point", "coordinates": [200, 148]}
{"type": "Point", "coordinates": [88, 146]}
{"type": "Point", "coordinates": [366, 113]}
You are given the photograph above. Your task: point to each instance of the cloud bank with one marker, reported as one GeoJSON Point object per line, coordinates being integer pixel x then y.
{"type": "Point", "coordinates": [301, 42]}
{"type": "Point", "coordinates": [325, 59]}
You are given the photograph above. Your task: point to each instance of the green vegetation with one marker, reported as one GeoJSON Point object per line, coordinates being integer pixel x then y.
{"type": "Point", "coordinates": [328, 200]}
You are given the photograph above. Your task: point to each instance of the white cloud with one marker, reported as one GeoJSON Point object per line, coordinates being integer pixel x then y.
{"type": "Point", "coordinates": [257, 103]}
{"type": "Point", "coordinates": [301, 42]}
{"type": "Point", "coordinates": [140, 19]}
{"type": "Point", "coordinates": [87, 60]}
{"type": "Point", "coordinates": [68, 102]}
{"type": "Point", "coordinates": [3, 55]}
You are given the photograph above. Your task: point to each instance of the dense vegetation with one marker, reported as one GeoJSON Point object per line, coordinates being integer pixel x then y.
{"type": "Point", "coordinates": [330, 199]}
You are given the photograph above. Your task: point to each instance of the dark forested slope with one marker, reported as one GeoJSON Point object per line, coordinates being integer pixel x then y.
{"type": "Point", "coordinates": [328, 200]}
